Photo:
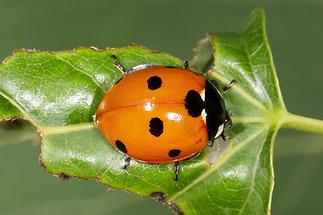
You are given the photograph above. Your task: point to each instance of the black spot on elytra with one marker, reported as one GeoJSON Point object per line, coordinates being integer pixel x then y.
{"type": "Point", "coordinates": [121, 146]}
{"type": "Point", "coordinates": [194, 103]}
{"type": "Point", "coordinates": [174, 153]}
{"type": "Point", "coordinates": [154, 82]}
{"type": "Point", "coordinates": [156, 126]}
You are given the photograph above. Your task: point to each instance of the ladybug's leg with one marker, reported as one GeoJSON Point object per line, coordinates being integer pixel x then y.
{"type": "Point", "coordinates": [224, 136]}
{"type": "Point", "coordinates": [185, 64]}
{"type": "Point", "coordinates": [228, 87]}
{"type": "Point", "coordinates": [127, 163]}
{"type": "Point", "coordinates": [176, 170]}
{"type": "Point", "coordinates": [118, 65]}
{"type": "Point", "coordinates": [210, 143]}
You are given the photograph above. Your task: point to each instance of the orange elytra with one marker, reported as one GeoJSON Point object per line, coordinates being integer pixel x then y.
{"type": "Point", "coordinates": [159, 114]}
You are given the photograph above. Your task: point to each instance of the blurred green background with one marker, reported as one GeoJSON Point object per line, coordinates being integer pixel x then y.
{"type": "Point", "coordinates": [295, 33]}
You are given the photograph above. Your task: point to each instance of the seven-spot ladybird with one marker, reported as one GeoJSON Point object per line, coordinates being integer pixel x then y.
{"type": "Point", "coordinates": [160, 114]}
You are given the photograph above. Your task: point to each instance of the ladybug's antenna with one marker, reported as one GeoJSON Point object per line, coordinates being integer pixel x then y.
{"type": "Point", "coordinates": [117, 64]}
{"type": "Point", "coordinates": [226, 88]}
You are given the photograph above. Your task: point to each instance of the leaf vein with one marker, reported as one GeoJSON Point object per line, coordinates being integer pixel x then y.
{"type": "Point", "coordinates": [254, 173]}
{"type": "Point", "coordinates": [18, 106]}
{"type": "Point", "coordinates": [240, 91]}
{"type": "Point", "coordinates": [80, 70]}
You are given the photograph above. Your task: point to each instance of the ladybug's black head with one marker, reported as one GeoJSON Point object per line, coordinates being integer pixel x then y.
{"type": "Point", "coordinates": [216, 114]}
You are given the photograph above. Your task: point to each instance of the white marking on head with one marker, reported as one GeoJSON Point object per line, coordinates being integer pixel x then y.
{"type": "Point", "coordinates": [203, 114]}
{"type": "Point", "coordinates": [203, 95]}
{"type": "Point", "coordinates": [220, 130]}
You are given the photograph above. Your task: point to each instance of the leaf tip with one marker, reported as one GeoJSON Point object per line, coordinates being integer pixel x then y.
{"type": "Point", "coordinates": [256, 18]}
{"type": "Point", "coordinates": [259, 11]}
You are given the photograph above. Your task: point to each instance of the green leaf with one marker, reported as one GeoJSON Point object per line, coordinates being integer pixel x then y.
{"type": "Point", "coordinates": [7, 110]}
{"type": "Point", "coordinates": [59, 92]}
{"type": "Point", "coordinates": [241, 181]}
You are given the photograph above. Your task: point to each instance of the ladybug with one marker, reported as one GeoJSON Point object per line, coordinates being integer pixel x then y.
{"type": "Point", "coordinates": [161, 114]}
